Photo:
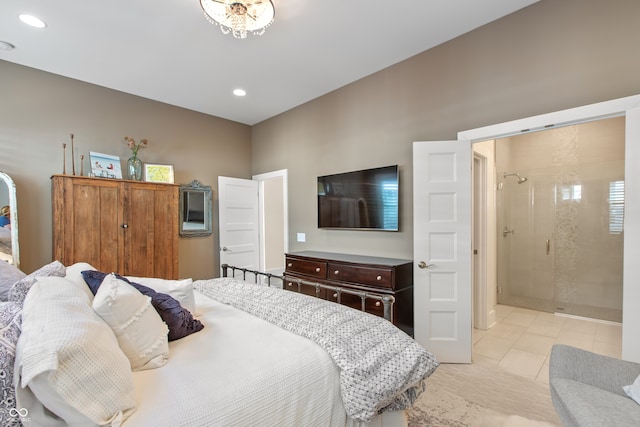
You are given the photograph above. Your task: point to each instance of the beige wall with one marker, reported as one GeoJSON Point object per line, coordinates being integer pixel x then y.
{"type": "Point", "coordinates": [547, 57]}
{"type": "Point", "coordinates": [550, 56]}
{"type": "Point", "coordinates": [39, 110]}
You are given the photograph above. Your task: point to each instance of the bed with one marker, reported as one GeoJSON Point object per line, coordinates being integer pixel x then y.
{"type": "Point", "coordinates": [263, 356]}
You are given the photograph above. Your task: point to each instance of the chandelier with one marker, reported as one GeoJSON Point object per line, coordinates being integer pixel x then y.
{"type": "Point", "coordinates": [239, 17]}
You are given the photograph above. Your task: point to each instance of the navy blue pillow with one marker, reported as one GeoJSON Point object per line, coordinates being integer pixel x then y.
{"type": "Point", "coordinates": [179, 320]}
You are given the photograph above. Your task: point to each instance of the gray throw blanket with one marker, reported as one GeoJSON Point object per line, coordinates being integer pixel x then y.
{"type": "Point", "coordinates": [381, 367]}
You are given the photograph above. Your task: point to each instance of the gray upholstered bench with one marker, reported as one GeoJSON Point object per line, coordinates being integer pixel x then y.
{"type": "Point", "coordinates": [586, 388]}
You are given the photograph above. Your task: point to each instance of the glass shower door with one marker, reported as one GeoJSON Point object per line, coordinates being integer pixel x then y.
{"type": "Point", "coordinates": [525, 240]}
{"type": "Point", "coordinates": [560, 242]}
{"type": "Point", "coordinates": [561, 237]}
{"type": "Point", "coordinates": [589, 244]}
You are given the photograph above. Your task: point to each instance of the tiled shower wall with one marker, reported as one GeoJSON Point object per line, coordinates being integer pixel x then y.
{"type": "Point", "coordinates": [559, 252]}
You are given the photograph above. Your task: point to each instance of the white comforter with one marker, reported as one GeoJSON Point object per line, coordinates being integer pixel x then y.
{"type": "Point", "coordinates": [241, 371]}
{"type": "Point", "coordinates": [381, 367]}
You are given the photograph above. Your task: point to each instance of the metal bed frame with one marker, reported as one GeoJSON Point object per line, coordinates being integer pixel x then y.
{"type": "Point", "coordinates": [386, 300]}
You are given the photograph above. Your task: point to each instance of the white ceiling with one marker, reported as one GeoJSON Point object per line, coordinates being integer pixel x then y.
{"type": "Point", "coordinates": [167, 51]}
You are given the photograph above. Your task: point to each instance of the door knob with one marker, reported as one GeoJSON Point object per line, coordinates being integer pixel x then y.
{"type": "Point", "coordinates": [423, 264]}
{"type": "Point", "coordinates": [224, 249]}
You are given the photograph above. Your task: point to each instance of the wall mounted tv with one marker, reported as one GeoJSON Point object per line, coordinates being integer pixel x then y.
{"type": "Point", "coordinates": [360, 200]}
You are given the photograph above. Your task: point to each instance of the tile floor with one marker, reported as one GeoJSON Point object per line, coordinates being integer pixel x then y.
{"type": "Point", "coordinates": [521, 340]}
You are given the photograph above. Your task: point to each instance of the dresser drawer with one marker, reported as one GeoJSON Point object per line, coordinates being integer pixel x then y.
{"type": "Point", "coordinates": [306, 267]}
{"type": "Point", "coordinates": [290, 284]}
{"type": "Point", "coordinates": [371, 306]}
{"type": "Point", "coordinates": [376, 277]}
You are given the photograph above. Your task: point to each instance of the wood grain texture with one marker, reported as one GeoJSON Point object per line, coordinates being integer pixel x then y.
{"type": "Point", "coordinates": [370, 274]}
{"type": "Point", "coordinates": [127, 227]}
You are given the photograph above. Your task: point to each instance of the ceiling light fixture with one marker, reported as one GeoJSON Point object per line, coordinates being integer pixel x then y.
{"type": "Point", "coordinates": [32, 21]}
{"type": "Point", "coordinates": [239, 92]}
{"type": "Point", "coordinates": [240, 17]}
{"type": "Point", "coordinates": [6, 45]}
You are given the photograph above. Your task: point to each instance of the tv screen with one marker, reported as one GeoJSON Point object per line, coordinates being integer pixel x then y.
{"type": "Point", "coordinates": [359, 200]}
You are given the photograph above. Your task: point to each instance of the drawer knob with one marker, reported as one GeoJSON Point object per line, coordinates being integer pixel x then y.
{"type": "Point", "coordinates": [336, 272]}
{"type": "Point", "coordinates": [335, 295]}
{"type": "Point", "coordinates": [290, 284]}
{"type": "Point", "coordinates": [317, 269]}
{"type": "Point", "coordinates": [377, 303]}
{"type": "Point", "coordinates": [289, 265]}
{"type": "Point", "coordinates": [379, 278]}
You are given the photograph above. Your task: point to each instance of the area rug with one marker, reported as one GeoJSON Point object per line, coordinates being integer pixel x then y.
{"type": "Point", "coordinates": [480, 395]}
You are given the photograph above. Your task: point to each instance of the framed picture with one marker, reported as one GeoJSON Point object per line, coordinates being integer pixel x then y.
{"type": "Point", "coordinates": [158, 173]}
{"type": "Point", "coordinates": [105, 165]}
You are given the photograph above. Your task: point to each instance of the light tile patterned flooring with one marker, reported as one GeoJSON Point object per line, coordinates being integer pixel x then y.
{"type": "Point", "coordinates": [521, 340]}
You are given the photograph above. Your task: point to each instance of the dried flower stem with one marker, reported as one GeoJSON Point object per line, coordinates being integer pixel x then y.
{"type": "Point", "coordinates": [64, 158]}
{"type": "Point", "coordinates": [73, 162]}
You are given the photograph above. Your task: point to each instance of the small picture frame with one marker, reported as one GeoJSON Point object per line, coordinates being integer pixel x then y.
{"type": "Point", "coordinates": [154, 172]}
{"type": "Point", "coordinates": [105, 165]}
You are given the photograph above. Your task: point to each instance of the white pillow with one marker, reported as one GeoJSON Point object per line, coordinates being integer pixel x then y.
{"type": "Point", "coordinates": [73, 273]}
{"type": "Point", "coordinates": [182, 290]}
{"type": "Point", "coordinates": [141, 333]}
{"type": "Point", "coordinates": [633, 390]}
{"type": "Point", "coordinates": [68, 362]}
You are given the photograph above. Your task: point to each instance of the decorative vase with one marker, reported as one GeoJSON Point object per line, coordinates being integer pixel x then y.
{"type": "Point", "coordinates": [134, 168]}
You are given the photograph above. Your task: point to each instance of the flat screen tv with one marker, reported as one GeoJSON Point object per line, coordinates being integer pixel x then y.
{"type": "Point", "coordinates": [359, 200]}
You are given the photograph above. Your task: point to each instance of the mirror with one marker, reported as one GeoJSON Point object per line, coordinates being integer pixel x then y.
{"type": "Point", "coordinates": [9, 249]}
{"type": "Point", "coordinates": [195, 209]}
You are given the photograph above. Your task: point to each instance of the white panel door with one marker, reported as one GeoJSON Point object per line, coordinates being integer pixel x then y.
{"type": "Point", "coordinates": [239, 222]}
{"type": "Point", "coordinates": [442, 248]}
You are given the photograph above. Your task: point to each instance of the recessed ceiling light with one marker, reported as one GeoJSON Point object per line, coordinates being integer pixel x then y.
{"type": "Point", "coordinates": [6, 46]}
{"type": "Point", "coordinates": [32, 20]}
{"type": "Point", "coordinates": [239, 92]}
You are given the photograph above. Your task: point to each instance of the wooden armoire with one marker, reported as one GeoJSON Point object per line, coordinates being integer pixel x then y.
{"type": "Point", "coordinates": [127, 227]}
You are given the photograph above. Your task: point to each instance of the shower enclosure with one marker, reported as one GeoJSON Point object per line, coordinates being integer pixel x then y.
{"type": "Point", "coordinates": [560, 206]}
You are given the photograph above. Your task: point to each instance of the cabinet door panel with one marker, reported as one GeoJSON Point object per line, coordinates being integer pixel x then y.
{"type": "Point", "coordinates": [166, 224]}
{"type": "Point", "coordinates": [86, 219]}
{"type": "Point", "coordinates": [138, 259]}
{"type": "Point", "coordinates": [152, 227]}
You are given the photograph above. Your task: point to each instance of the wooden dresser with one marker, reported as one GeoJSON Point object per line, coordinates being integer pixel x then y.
{"type": "Point", "coordinates": [383, 276]}
{"type": "Point", "coordinates": [127, 227]}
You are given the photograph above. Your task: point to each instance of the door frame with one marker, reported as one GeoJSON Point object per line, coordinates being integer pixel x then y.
{"type": "Point", "coordinates": [479, 314]}
{"type": "Point", "coordinates": [629, 107]}
{"type": "Point", "coordinates": [263, 199]}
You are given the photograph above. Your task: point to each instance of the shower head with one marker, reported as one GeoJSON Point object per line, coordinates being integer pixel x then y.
{"type": "Point", "coordinates": [521, 179]}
